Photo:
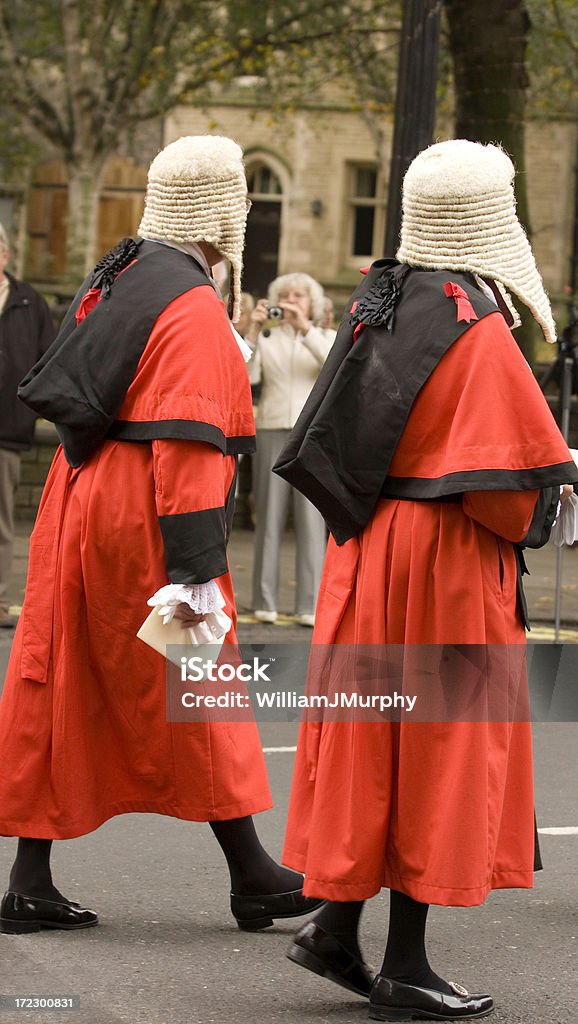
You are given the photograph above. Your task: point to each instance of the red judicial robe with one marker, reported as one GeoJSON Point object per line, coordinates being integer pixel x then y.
{"type": "Point", "coordinates": [441, 811]}
{"type": "Point", "coordinates": [83, 728]}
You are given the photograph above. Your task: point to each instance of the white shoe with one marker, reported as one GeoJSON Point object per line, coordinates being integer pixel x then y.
{"type": "Point", "coordinates": [7, 621]}
{"type": "Point", "coordinates": [306, 620]}
{"type": "Point", "coordinates": [263, 616]}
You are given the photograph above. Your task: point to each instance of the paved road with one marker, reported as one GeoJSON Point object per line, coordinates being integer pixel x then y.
{"type": "Point", "coordinates": [168, 951]}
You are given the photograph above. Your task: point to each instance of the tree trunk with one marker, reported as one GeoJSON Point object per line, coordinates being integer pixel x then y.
{"type": "Point", "coordinates": [488, 40]}
{"type": "Point", "coordinates": [84, 185]}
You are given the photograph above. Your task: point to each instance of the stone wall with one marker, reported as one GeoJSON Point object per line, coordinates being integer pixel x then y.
{"type": "Point", "coordinates": [312, 151]}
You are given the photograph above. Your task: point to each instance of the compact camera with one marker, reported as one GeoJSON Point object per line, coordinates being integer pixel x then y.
{"type": "Point", "coordinates": [275, 312]}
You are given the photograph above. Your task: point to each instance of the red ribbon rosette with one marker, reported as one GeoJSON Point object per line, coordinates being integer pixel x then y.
{"type": "Point", "coordinates": [465, 309]}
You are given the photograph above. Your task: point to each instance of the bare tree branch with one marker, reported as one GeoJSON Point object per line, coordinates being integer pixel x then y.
{"type": "Point", "coordinates": [82, 73]}
{"type": "Point", "coordinates": [26, 98]}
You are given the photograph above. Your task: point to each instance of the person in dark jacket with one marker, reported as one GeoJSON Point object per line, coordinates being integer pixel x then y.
{"type": "Point", "coordinates": [26, 331]}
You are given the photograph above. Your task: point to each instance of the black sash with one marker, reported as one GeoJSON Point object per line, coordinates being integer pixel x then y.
{"type": "Point", "coordinates": [342, 445]}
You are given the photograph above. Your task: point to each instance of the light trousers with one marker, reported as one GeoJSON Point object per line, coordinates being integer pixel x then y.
{"type": "Point", "coordinates": [9, 479]}
{"type": "Point", "coordinates": [273, 497]}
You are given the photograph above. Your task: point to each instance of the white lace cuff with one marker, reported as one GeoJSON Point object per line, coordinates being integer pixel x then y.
{"type": "Point", "coordinates": [203, 598]}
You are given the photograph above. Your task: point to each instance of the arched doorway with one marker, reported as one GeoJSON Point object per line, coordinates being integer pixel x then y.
{"type": "Point", "coordinates": [261, 259]}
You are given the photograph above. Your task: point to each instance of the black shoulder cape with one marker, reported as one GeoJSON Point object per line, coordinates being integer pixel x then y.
{"type": "Point", "coordinates": [341, 448]}
{"type": "Point", "coordinates": [80, 382]}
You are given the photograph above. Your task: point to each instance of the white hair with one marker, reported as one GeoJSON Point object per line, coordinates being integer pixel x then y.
{"type": "Point", "coordinates": [313, 288]}
{"type": "Point", "coordinates": [4, 243]}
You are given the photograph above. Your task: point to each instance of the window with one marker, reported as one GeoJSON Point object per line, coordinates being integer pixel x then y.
{"type": "Point", "coordinates": [263, 181]}
{"type": "Point", "coordinates": [366, 212]}
{"type": "Point", "coordinates": [263, 235]}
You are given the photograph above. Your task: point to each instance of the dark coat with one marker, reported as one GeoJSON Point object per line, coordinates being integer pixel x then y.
{"type": "Point", "coordinates": [26, 331]}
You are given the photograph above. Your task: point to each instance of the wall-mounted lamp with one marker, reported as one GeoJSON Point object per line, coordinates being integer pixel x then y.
{"type": "Point", "coordinates": [316, 207]}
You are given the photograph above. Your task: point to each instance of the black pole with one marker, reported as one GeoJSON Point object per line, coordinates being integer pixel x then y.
{"type": "Point", "coordinates": [415, 101]}
{"type": "Point", "coordinates": [573, 301]}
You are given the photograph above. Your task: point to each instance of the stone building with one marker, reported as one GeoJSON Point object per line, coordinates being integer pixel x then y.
{"type": "Point", "coordinates": [318, 191]}
{"type": "Point", "coordinates": [319, 202]}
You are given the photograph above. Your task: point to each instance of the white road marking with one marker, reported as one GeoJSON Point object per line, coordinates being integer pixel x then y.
{"type": "Point", "coordinates": [563, 830]}
{"type": "Point", "coordinates": [279, 750]}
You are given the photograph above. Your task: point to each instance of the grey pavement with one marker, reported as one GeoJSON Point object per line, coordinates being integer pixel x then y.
{"type": "Point", "coordinates": [167, 950]}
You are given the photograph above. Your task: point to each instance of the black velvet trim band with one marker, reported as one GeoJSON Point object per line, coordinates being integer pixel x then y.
{"type": "Point", "coordinates": [422, 488]}
{"type": "Point", "coordinates": [195, 545]}
{"type": "Point", "coordinates": [543, 519]}
{"type": "Point", "coordinates": [181, 430]}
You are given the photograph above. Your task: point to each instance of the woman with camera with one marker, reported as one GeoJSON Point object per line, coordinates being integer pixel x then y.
{"type": "Point", "coordinates": [286, 361]}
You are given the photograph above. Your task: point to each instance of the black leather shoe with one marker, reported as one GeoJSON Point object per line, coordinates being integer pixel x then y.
{"type": "Point", "coordinates": [321, 952]}
{"type": "Point", "coordinates": [19, 914]}
{"type": "Point", "coordinates": [392, 1000]}
{"type": "Point", "coordinates": [255, 912]}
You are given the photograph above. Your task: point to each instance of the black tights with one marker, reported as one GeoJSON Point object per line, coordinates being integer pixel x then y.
{"type": "Point", "coordinates": [251, 868]}
{"type": "Point", "coordinates": [31, 874]}
{"type": "Point", "coordinates": [405, 955]}
{"type": "Point", "coordinates": [342, 920]}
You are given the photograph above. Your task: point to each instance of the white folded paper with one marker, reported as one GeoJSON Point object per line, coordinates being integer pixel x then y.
{"type": "Point", "coordinates": [161, 630]}
{"type": "Point", "coordinates": [565, 529]}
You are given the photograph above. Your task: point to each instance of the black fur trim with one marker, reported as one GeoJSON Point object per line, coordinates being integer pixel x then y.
{"type": "Point", "coordinates": [377, 306]}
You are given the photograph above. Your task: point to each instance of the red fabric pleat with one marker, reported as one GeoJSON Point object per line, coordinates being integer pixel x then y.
{"type": "Point", "coordinates": [441, 811]}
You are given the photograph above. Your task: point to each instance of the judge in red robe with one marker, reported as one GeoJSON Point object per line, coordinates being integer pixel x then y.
{"type": "Point", "coordinates": [147, 386]}
{"type": "Point", "coordinates": [434, 458]}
